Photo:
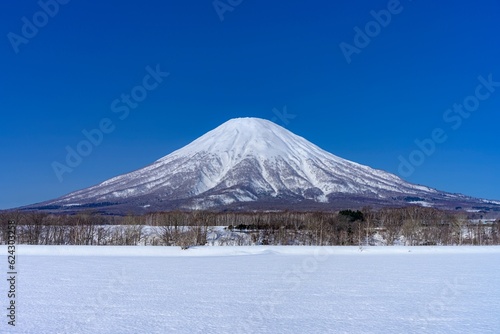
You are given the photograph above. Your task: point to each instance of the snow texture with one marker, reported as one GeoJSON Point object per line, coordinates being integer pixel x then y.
{"type": "Point", "coordinates": [86, 289]}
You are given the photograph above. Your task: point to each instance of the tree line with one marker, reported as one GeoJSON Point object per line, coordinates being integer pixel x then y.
{"type": "Point", "coordinates": [410, 226]}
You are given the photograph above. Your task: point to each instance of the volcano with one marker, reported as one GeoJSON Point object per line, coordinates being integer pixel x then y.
{"type": "Point", "coordinates": [254, 164]}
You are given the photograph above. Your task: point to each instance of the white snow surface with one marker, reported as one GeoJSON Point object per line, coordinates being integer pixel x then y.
{"type": "Point", "coordinates": [422, 203]}
{"type": "Point", "coordinates": [245, 158]}
{"type": "Point", "coordinates": [260, 289]}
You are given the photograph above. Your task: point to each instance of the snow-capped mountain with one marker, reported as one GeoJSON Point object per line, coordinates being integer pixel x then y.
{"type": "Point", "coordinates": [250, 163]}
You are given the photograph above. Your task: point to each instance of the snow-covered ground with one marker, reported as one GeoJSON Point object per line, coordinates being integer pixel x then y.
{"type": "Point", "coordinates": [260, 289]}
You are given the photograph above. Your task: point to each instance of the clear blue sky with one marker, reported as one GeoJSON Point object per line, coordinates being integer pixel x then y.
{"type": "Point", "coordinates": [262, 55]}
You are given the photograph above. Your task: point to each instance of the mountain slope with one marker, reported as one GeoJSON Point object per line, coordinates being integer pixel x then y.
{"type": "Point", "coordinates": [252, 161]}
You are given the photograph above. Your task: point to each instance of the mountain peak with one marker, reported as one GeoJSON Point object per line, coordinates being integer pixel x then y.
{"type": "Point", "coordinates": [252, 160]}
{"type": "Point", "coordinates": [247, 128]}
{"type": "Point", "coordinates": [249, 124]}
{"type": "Point", "coordinates": [241, 137]}
{"type": "Point", "coordinates": [247, 121]}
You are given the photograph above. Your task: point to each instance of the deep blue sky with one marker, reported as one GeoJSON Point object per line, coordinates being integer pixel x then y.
{"type": "Point", "coordinates": [263, 55]}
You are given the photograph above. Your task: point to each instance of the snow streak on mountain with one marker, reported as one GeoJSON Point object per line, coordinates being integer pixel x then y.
{"type": "Point", "coordinates": [250, 162]}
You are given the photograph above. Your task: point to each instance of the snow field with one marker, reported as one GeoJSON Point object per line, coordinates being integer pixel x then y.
{"type": "Point", "coordinates": [259, 289]}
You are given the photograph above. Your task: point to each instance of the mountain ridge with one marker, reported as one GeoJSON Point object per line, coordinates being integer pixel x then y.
{"type": "Point", "coordinates": [252, 162]}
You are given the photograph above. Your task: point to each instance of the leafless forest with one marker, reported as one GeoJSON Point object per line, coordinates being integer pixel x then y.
{"type": "Point", "coordinates": [406, 226]}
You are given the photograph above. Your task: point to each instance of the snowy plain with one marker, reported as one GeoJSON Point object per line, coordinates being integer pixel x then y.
{"type": "Point", "coordinates": [255, 289]}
